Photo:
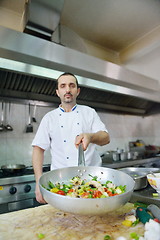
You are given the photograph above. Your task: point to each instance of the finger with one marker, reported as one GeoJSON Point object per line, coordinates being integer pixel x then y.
{"type": "Point", "coordinates": [78, 140]}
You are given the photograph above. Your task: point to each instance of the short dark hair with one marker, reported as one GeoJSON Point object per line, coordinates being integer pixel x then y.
{"type": "Point", "coordinates": [67, 74]}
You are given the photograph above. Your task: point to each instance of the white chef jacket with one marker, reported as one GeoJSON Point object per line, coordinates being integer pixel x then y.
{"type": "Point", "coordinates": [58, 130]}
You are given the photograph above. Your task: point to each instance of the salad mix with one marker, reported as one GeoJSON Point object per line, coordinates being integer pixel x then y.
{"type": "Point", "coordinates": [81, 188]}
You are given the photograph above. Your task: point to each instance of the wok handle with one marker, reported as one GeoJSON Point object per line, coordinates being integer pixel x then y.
{"type": "Point", "coordinates": [81, 159]}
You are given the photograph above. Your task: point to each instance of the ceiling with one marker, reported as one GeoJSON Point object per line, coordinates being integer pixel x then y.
{"type": "Point", "coordinates": [121, 26]}
{"type": "Point", "coordinates": [116, 24]}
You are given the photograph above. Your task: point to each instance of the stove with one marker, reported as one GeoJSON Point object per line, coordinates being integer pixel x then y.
{"type": "Point", "coordinates": [18, 191]}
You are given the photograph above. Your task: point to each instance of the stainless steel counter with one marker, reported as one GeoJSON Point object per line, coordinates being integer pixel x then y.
{"type": "Point", "coordinates": [145, 196]}
{"type": "Point", "coordinates": [148, 162]}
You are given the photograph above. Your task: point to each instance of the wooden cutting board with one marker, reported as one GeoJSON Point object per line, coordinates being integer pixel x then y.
{"type": "Point", "coordinates": [55, 224]}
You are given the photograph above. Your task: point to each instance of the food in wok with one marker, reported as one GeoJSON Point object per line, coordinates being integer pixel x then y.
{"type": "Point", "coordinates": [81, 188]}
{"type": "Point", "coordinates": [87, 206]}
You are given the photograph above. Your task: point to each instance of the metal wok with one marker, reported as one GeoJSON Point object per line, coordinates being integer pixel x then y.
{"type": "Point", "coordinates": [97, 206]}
{"type": "Point", "coordinates": [13, 169]}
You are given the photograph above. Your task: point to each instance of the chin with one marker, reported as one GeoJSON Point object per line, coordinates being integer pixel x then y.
{"type": "Point", "coordinates": [68, 101]}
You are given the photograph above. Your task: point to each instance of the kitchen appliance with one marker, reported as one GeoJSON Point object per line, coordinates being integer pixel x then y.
{"type": "Point", "coordinates": [17, 191]}
{"type": "Point", "coordinates": [104, 85]}
{"type": "Point", "coordinates": [96, 206]}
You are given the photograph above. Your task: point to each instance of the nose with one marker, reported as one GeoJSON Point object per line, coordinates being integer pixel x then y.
{"type": "Point", "coordinates": [67, 88]}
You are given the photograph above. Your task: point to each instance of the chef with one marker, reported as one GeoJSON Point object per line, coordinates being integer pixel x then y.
{"type": "Point", "coordinates": [64, 128]}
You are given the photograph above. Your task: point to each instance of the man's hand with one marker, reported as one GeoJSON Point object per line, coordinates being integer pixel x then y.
{"type": "Point", "coordinates": [85, 139]}
{"type": "Point", "coordinates": [100, 138]}
{"type": "Point", "coordinates": [39, 197]}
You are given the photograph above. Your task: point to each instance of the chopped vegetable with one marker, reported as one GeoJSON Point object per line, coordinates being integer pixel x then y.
{"type": "Point", "coordinates": [155, 195]}
{"type": "Point", "coordinates": [61, 192]}
{"type": "Point", "coordinates": [135, 223]}
{"type": "Point", "coordinates": [55, 190]}
{"type": "Point", "coordinates": [139, 204]}
{"type": "Point", "coordinates": [134, 236]}
{"type": "Point", "coordinates": [51, 185]}
{"type": "Point", "coordinates": [93, 178]}
{"type": "Point", "coordinates": [127, 223]}
{"type": "Point", "coordinates": [41, 236]}
{"type": "Point", "coordinates": [80, 188]}
{"type": "Point", "coordinates": [130, 221]}
{"type": "Point", "coordinates": [107, 237]}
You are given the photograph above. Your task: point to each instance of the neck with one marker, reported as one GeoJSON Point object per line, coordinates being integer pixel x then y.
{"type": "Point", "coordinates": [67, 107]}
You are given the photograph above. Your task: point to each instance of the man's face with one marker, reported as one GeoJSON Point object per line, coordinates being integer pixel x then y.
{"type": "Point", "coordinates": [67, 89]}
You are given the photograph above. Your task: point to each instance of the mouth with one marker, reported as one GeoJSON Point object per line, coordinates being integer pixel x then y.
{"type": "Point", "coordinates": [68, 95]}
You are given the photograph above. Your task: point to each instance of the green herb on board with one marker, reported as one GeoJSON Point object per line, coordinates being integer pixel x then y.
{"type": "Point", "coordinates": [107, 237]}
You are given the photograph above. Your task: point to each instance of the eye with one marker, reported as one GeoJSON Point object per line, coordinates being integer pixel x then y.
{"type": "Point", "coordinates": [72, 85]}
{"type": "Point", "coordinates": [62, 85]}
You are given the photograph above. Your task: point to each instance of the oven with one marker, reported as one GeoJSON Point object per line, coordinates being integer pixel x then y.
{"type": "Point", "coordinates": [18, 191]}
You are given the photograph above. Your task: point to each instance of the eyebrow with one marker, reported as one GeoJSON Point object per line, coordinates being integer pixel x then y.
{"type": "Point", "coordinates": [71, 83]}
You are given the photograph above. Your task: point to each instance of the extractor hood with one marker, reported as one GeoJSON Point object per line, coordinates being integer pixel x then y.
{"type": "Point", "coordinates": [43, 17]}
{"type": "Point", "coordinates": [29, 66]}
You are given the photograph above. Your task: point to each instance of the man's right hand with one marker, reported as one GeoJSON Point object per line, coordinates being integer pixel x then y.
{"type": "Point", "coordinates": [39, 196]}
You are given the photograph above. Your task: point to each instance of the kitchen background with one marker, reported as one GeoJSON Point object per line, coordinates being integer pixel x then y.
{"type": "Point", "coordinates": [141, 56]}
{"type": "Point", "coordinates": [15, 146]}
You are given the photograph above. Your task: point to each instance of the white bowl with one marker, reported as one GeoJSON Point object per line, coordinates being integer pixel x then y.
{"type": "Point", "coordinates": [154, 181]}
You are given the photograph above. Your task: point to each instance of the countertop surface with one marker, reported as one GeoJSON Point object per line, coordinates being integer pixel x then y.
{"type": "Point", "coordinates": [50, 223]}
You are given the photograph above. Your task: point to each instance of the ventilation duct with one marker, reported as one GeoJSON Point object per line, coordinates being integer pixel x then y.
{"type": "Point", "coordinates": [43, 17]}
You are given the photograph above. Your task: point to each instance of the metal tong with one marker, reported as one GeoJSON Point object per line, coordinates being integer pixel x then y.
{"type": "Point", "coordinates": [81, 159]}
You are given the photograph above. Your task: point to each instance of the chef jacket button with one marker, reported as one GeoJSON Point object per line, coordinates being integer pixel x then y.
{"type": "Point", "coordinates": [67, 157]}
{"type": "Point", "coordinates": [61, 126]}
{"type": "Point", "coordinates": [77, 123]}
{"type": "Point", "coordinates": [77, 111]}
{"type": "Point", "coordinates": [65, 141]}
{"type": "Point", "coordinates": [60, 114]}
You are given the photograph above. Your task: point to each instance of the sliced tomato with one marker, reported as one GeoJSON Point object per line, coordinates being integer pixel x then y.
{"type": "Point", "coordinates": [97, 194]}
{"type": "Point", "coordinates": [110, 194]}
{"type": "Point", "coordinates": [61, 192]}
{"type": "Point", "coordinates": [114, 194]}
{"type": "Point", "coordinates": [70, 190]}
{"type": "Point", "coordinates": [90, 190]}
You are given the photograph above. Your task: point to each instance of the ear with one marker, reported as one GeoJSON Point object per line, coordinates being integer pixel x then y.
{"type": "Point", "coordinates": [78, 91]}
{"type": "Point", "coordinates": [57, 92]}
